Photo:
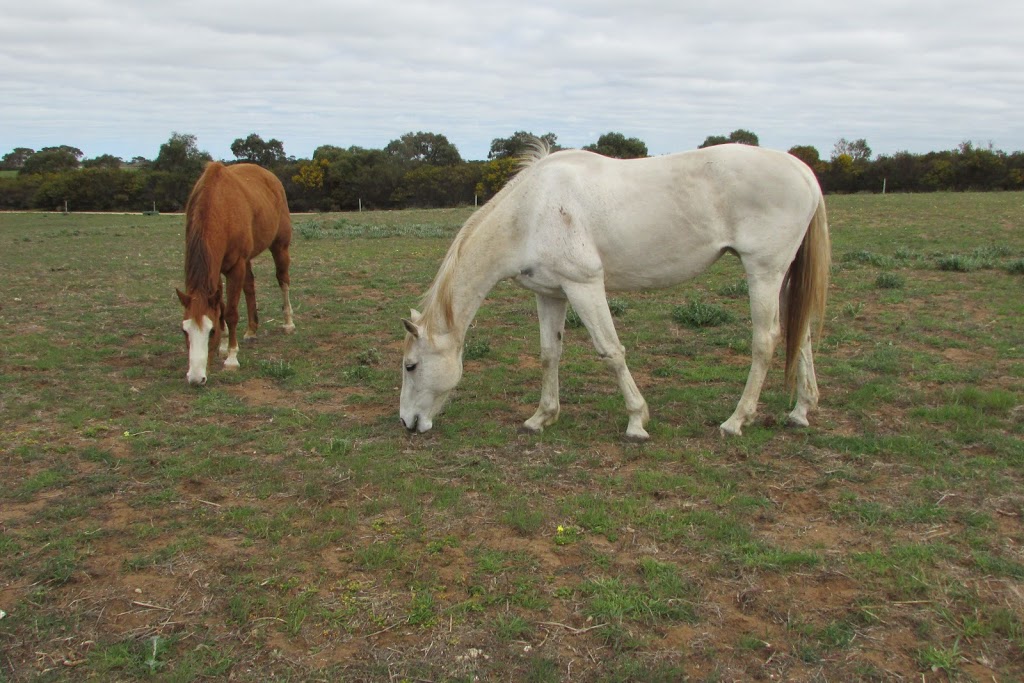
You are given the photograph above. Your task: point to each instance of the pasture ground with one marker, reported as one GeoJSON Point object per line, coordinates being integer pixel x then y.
{"type": "Point", "coordinates": [279, 524]}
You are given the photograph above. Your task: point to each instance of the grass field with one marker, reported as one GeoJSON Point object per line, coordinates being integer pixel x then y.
{"type": "Point", "coordinates": [279, 523]}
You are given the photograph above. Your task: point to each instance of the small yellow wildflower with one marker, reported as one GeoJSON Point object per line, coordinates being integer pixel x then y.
{"type": "Point", "coordinates": [561, 529]}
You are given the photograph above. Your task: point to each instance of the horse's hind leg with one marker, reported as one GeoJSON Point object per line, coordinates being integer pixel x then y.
{"type": "Point", "coordinates": [590, 303]}
{"type": "Point", "coordinates": [806, 385]}
{"type": "Point", "coordinates": [551, 313]}
{"type": "Point", "coordinates": [250, 301]}
{"type": "Point", "coordinates": [282, 260]}
{"type": "Point", "coordinates": [764, 313]}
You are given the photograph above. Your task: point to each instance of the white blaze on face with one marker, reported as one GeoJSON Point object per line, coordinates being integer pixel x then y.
{"type": "Point", "coordinates": [198, 348]}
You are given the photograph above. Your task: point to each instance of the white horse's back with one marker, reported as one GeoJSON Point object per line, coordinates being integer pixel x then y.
{"type": "Point", "coordinates": [658, 221]}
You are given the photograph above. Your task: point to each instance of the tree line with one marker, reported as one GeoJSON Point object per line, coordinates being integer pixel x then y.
{"type": "Point", "coordinates": [426, 170]}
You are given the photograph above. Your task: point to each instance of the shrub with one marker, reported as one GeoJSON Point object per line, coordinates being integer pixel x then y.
{"type": "Point", "coordinates": [309, 230]}
{"type": "Point", "coordinates": [735, 290]}
{"type": "Point", "coordinates": [276, 369]}
{"type": "Point", "coordinates": [906, 254]}
{"type": "Point", "coordinates": [958, 263]}
{"type": "Point", "coordinates": [700, 314]}
{"type": "Point", "coordinates": [368, 357]}
{"type": "Point", "coordinates": [477, 348]}
{"type": "Point", "coordinates": [868, 258]}
{"type": "Point", "coordinates": [889, 281]}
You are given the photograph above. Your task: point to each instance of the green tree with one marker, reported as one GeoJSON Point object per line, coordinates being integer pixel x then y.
{"type": "Point", "coordinates": [847, 171]}
{"type": "Point", "coordinates": [516, 145]}
{"type": "Point", "coordinates": [939, 172]}
{"type": "Point", "coordinates": [15, 159]}
{"type": "Point", "coordinates": [254, 150]}
{"type": "Point", "coordinates": [176, 169]}
{"type": "Point", "coordinates": [901, 172]}
{"type": "Point", "coordinates": [18, 192]}
{"type": "Point", "coordinates": [181, 154]}
{"type": "Point", "coordinates": [619, 146]}
{"type": "Point", "coordinates": [357, 176]}
{"type": "Point", "coordinates": [103, 161]}
{"type": "Point", "coordinates": [714, 140]}
{"type": "Point", "coordinates": [496, 173]}
{"type": "Point", "coordinates": [810, 156]}
{"type": "Point", "coordinates": [427, 148]}
{"type": "Point", "coordinates": [311, 174]}
{"type": "Point", "coordinates": [843, 174]}
{"type": "Point", "coordinates": [744, 137]}
{"type": "Point", "coordinates": [979, 168]}
{"type": "Point", "coordinates": [857, 150]}
{"type": "Point", "coordinates": [738, 136]}
{"type": "Point", "coordinates": [52, 160]}
{"type": "Point", "coordinates": [92, 189]}
{"type": "Point", "coordinates": [439, 186]}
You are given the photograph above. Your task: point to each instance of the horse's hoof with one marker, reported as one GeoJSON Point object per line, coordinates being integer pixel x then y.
{"type": "Point", "coordinates": [288, 329]}
{"type": "Point", "coordinates": [797, 422]}
{"type": "Point", "coordinates": [231, 364]}
{"type": "Point", "coordinates": [637, 437]}
{"type": "Point", "coordinates": [726, 430]}
{"type": "Point", "coordinates": [527, 429]}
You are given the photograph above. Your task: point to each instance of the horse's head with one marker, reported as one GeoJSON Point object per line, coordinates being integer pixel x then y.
{"type": "Point", "coordinates": [431, 367]}
{"type": "Point", "coordinates": [201, 325]}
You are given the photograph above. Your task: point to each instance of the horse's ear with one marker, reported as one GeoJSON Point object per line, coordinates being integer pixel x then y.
{"type": "Point", "coordinates": [415, 315]}
{"type": "Point", "coordinates": [185, 299]}
{"type": "Point", "coordinates": [411, 327]}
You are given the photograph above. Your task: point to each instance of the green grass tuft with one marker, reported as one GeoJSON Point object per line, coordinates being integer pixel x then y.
{"type": "Point", "coordinates": [699, 314]}
{"type": "Point", "coordinates": [890, 281]}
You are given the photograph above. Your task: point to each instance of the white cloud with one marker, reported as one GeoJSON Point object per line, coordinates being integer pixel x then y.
{"type": "Point", "coordinates": [118, 77]}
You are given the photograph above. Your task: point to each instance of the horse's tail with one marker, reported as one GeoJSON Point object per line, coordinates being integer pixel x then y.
{"type": "Point", "coordinates": [806, 288]}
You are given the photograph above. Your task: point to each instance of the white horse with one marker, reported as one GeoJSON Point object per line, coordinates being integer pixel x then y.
{"type": "Point", "coordinates": [573, 224]}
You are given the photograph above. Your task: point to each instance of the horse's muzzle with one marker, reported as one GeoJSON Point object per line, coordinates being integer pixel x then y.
{"type": "Point", "coordinates": [410, 426]}
{"type": "Point", "coordinates": [197, 381]}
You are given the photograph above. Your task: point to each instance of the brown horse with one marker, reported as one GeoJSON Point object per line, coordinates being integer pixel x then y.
{"type": "Point", "coordinates": [233, 214]}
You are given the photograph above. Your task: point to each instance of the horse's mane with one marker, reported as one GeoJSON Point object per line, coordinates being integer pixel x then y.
{"type": "Point", "coordinates": [197, 219]}
{"type": "Point", "coordinates": [439, 296]}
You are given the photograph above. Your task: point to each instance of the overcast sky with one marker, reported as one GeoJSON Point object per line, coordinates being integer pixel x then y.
{"type": "Point", "coordinates": [118, 77]}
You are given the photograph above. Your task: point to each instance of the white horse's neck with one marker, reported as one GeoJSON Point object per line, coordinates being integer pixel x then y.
{"type": "Point", "coordinates": [483, 260]}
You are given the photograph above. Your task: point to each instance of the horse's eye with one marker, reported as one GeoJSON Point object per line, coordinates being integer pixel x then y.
{"type": "Point", "coordinates": [409, 367]}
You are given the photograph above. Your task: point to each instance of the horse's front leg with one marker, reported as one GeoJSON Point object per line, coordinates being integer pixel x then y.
{"type": "Point", "coordinates": [235, 278]}
{"type": "Point", "coordinates": [250, 302]}
{"type": "Point", "coordinates": [551, 313]}
{"type": "Point", "coordinates": [591, 304]}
